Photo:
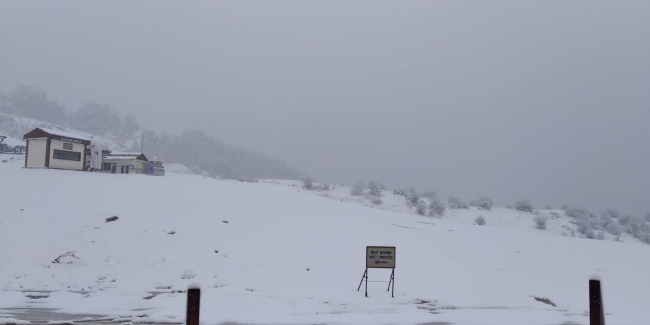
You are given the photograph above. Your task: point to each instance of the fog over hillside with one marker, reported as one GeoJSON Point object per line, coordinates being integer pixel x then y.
{"type": "Point", "coordinates": [193, 148]}
{"type": "Point", "coordinates": [545, 101]}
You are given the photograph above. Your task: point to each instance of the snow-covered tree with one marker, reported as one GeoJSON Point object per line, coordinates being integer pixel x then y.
{"type": "Point", "coordinates": [420, 207]}
{"type": "Point", "coordinates": [456, 203]}
{"type": "Point", "coordinates": [97, 119]}
{"type": "Point", "coordinates": [480, 220]}
{"type": "Point", "coordinates": [436, 207]}
{"type": "Point", "coordinates": [32, 102]}
{"type": "Point", "coordinates": [482, 203]}
{"type": "Point", "coordinates": [375, 188]}
{"type": "Point", "coordinates": [524, 206]}
{"type": "Point", "coordinates": [612, 213]}
{"type": "Point", "coordinates": [308, 183]}
{"type": "Point", "coordinates": [413, 198]}
{"type": "Point", "coordinates": [358, 189]}
{"type": "Point", "coordinates": [540, 222]}
{"type": "Point", "coordinates": [430, 195]}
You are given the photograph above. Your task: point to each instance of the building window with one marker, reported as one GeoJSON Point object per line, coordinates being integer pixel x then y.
{"type": "Point", "coordinates": [67, 155]}
{"type": "Point", "coordinates": [106, 167]}
{"type": "Point", "coordinates": [67, 146]}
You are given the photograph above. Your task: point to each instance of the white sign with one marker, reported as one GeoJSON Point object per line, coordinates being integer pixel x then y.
{"type": "Point", "coordinates": [382, 257]}
{"type": "Point", "coordinates": [66, 139]}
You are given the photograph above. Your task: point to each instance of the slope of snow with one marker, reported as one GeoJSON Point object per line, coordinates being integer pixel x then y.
{"type": "Point", "coordinates": [271, 254]}
{"type": "Point", "coordinates": [12, 141]}
{"type": "Point", "coordinates": [557, 222]}
{"type": "Point", "coordinates": [18, 125]}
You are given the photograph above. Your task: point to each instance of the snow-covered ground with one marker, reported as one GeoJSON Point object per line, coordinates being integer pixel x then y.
{"type": "Point", "coordinates": [13, 141]}
{"type": "Point", "coordinates": [557, 222]}
{"type": "Point", "coordinates": [276, 254]}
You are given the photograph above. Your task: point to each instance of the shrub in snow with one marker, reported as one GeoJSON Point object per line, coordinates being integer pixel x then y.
{"type": "Point", "coordinates": [576, 213]}
{"type": "Point", "coordinates": [65, 258]}
{"type": "Point", "coordinates": [421, 207]}
{"type": "Point", "coordinates": [375, 200]}
{"type": "Point", "coordinates": [540, 222]}
{"type": "Point", "coordinates": [413, 199]}
{"type": "Point", "coordinates": [480, 220]}
{"type": "Point", "coordinates": [323, 187]}
{"type": "Point", "coordinates": [189, 274]}
{"type": "Point", "coordinates": [482, 203]}
{"type": "Point", "coordinates": [455, 203]}
{"type": "Point", "coordinates": [524, 206]}
{"type": "Point", "coordinates": [636, 227]}
{"type": "Point", "coordinates": [430, 195]}
{"type": "Point", "coordinates": [308, 183]}
{"type": "Point", "coordinates": [358, 189]}
{"type": "Point", "coordinates": [436, 207]}
{"type": "Point", "coordinates": [600, 235]}
{"type": "Point", "coordinates": [586, 227]}
{"type": "Point", "coordinates": [608, 224]}
{"type": "Point", "coordinates": [375, 188]}
{"type": "Point", "coordinates": [612, 213]}
{"type": "Point", "coordinates": [400, 192]}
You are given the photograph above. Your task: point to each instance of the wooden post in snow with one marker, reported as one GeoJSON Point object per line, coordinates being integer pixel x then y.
{"type": "Point", "coordinates": [193, 305]}
{"type": "Point", "coordinates": [596, 313]}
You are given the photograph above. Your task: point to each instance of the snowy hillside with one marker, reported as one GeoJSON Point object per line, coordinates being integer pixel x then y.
{"type": "Point", "coordinates": [16, 126]}
{"type": "Point", "coordinates": [557, 222]}
{"type": "Point", "coordinates": [276, 254]}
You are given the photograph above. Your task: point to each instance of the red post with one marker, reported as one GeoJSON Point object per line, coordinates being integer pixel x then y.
{"type": "Point", "coordinates": [596, 314]}
{"type": "Point", "coordinates": [193, 306]}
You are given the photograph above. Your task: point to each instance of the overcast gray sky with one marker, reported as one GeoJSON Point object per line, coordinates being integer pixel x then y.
{"type": "Point", "coordinates": [545, 100]}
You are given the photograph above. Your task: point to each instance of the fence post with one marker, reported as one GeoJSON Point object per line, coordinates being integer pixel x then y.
{"type": "Point", "coordinates": [596, 313]}
{"type": "Point", "coordinates": [193, 305]}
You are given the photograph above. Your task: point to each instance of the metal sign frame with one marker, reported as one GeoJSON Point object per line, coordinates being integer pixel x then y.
{"type": "Point", "coordinates": [379, 266]}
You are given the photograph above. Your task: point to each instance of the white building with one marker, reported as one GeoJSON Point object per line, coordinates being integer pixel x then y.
{"type": "Point", "coordinates": [124, 163]}
{"type": "Point", "coordinates": [48, 148]}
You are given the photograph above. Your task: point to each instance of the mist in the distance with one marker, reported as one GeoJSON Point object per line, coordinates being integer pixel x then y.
{"type": "Point", "coordinates": [546, 101]}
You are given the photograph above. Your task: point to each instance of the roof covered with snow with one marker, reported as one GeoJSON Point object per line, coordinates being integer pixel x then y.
{"type": "Point", "coordinates": [125, 156]}
{"type": "Point", "coordinates": [66, 133]}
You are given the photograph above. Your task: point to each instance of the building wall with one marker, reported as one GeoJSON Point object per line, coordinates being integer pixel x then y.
{"type": "Point", "coordinates": [94, 160]}
{"type": "Point", "coordinates": [36, 154]}
{"type": "Point", "coordinates": [66, 164]}
{"type": "Point", "coordinates": [139, 166]}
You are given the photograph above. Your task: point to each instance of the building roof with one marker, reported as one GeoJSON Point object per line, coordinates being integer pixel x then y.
{"type": "Point", "coordinates": [56, 134]}
{"type": "Point", "coordinates": [125, 156]}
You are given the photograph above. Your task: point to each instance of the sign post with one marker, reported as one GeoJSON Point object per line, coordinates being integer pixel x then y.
{"type": "Point", "coordinates": [380, 257]}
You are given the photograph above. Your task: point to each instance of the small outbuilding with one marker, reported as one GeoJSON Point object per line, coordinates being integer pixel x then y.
{"type": "Point", "coordinates": [47, 148]}
{"type": "Point", "coordinates": [155, 168]}
{"type": "Point", "coordinates": [124, 163]}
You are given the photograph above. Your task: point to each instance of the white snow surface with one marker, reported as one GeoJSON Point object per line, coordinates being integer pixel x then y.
{"type": "Point", "coordinates": [268, 253]}
{"type": "Point", "coordinates": [13, 141]}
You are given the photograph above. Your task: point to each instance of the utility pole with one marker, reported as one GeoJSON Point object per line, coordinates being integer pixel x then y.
{"type": "Point", "coordinates": [142, 143]}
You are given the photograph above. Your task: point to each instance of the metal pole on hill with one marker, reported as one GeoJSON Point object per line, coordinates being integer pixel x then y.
{"type": "Point", "coordinates": [193, 305]}
{"type": "Point", "coordinates": [596, 312]}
